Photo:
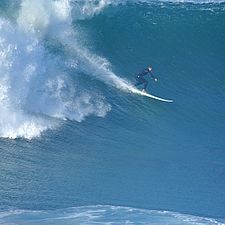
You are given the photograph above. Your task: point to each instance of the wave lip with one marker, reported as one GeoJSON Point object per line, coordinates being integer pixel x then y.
{"type": "Point", "coordinates": [103, 214]}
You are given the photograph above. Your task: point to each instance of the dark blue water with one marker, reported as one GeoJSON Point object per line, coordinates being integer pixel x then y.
{"type": "Point", "coordinates": [78, 146]}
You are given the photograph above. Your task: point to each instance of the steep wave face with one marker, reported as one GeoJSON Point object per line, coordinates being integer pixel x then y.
{"type": "Point", "coordinates": [67, 72]}
{"type": "Point", "coordinates": [44, 55]}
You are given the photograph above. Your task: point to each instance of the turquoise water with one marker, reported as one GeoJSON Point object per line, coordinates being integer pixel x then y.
{"type": "Point", "coordinates": [78, 146]}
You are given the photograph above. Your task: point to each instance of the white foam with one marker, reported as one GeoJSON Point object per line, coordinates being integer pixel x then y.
{"type": "Point", "coordinates": [104, 214]}
{"type": "Point", "coordinates": [34, 87]}
{"type": "Point", "coordinates": [84, 9]}
{"type": "Point", "coordinates": [40, 16]}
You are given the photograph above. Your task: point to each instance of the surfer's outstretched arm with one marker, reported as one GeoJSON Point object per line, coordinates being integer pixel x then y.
{"type": "Point", "coordinates": [152, 76]}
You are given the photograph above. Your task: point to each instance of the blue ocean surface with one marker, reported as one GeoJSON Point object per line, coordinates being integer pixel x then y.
{"type": "Point", "coordinates": [78, 145]}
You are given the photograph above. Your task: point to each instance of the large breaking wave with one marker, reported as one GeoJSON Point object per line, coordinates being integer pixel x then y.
{"type": "Point", "coordinates": [42, 55]}
{"type": "Point", "coordinates": [35, 87]}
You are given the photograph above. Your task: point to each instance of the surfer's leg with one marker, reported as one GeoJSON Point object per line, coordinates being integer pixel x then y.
{"type": "Point", "coordinates": [137, 83]}
{"type": "Point", "coordinates": [140, 80]}
{"type": "Point", "coordinates": [146, 84]}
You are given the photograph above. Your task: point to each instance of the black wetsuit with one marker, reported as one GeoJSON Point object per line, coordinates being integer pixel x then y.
{"type": "Point", "coordinates": [140, 78]}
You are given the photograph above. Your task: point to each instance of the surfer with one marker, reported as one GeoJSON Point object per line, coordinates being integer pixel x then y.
{"type": "Point", "coordinates": [141, 80]}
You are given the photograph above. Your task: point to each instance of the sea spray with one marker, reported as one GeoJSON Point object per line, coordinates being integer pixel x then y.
{"type": "Point", "coordinates": [34, 84]}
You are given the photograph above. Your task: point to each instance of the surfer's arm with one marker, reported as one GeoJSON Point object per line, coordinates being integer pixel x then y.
{"type": "Point", "coordinates": [152, 76]}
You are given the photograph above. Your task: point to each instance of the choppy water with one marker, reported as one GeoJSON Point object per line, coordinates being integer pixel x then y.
{"type": "Point", "coordinates": [74, 133]}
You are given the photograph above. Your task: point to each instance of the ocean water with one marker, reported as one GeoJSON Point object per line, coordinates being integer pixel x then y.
{"type": "Point", "coordinates": [78, 145]}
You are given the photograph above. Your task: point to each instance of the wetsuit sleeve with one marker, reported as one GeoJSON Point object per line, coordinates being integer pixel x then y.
{"type": "Point", "coordinates": [152, 76]}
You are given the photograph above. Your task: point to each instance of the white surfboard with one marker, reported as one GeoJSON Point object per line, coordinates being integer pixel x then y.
{"type": "Point", "coordinates": [136, 91]}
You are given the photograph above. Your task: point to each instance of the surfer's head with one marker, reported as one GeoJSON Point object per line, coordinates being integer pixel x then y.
{"type": "Point", "coordinates": [149, 68]}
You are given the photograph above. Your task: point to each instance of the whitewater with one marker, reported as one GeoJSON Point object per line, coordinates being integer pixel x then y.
{"type": "Point", "coordinates": [30, 74]}
{"type": "Point", "coordinates": [80, 144]}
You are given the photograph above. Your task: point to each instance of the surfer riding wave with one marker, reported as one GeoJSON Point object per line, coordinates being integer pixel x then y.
{"type": "Point", "coordinates": [141, 80]}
